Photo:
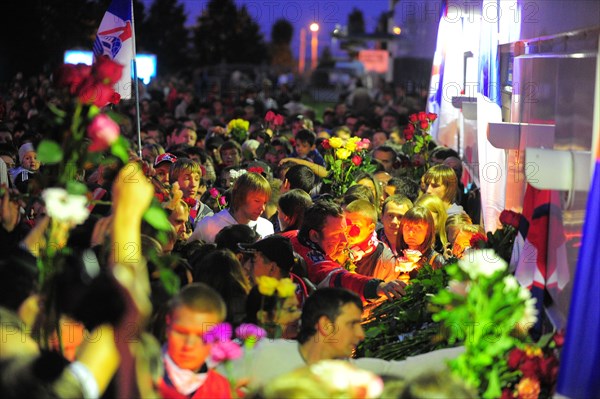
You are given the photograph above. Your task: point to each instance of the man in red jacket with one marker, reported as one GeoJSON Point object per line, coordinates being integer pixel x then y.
{"type": "Point", "coordinates": [193, 312]}
{"type": "Point", "coordinates": [322, 241]}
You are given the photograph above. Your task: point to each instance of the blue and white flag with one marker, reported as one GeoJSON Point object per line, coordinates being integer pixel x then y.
{"type": "Point", "coordinates": [115, 40]}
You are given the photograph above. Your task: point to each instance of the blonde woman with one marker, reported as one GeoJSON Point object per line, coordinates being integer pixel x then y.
{"type": "Point", "coordinates": [441, 181]}
{"type": "Point", "coordinates": [438, 210]}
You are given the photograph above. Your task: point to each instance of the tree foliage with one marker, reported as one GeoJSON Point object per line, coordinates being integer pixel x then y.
{"type": "Point", "coordinates": [227, 34]}
{"type": "Point", "coordinates": [166, 36]}
{"type": "Point", "coordinates": [281, 52]}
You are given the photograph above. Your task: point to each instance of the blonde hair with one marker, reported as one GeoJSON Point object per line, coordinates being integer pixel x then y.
{"type": "Point", "coordinates": [245, 184]}
{"type": "Point", "coordinates": [364, 208]}
{"type": "Point", "coordinates": [434, 204]}
{"type": "Point", "coordinates": [183, 165]}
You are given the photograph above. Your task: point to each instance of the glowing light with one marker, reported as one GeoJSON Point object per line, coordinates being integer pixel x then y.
{"type": "Point", "coordinates": [314, 27]}
{"type": "Point", "coordinates": [396, 30]}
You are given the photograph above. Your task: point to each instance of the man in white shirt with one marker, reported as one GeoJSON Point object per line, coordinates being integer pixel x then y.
{"type": "Point", "coordinates": [249, 196]}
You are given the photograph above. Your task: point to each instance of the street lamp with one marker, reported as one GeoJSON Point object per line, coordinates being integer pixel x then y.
{"type": "Point", "coordinates": [314, 44]}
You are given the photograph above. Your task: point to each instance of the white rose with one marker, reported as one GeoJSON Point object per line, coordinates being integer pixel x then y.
{"type": "Point", "coordinates": [483, 262]}
{"type": "Point", "coordinates": [65, 207]}
{"type": "Point", "coordinates": [510, 284]}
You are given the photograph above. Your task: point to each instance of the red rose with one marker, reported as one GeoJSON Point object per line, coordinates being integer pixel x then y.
{"type": "Point", "coordinates": [356, 160]}
{"type": "Point", "coordinates": [549, 369]}
{"type": "Point", "coordinates": [279, 120]}
{"type": "Point", "coordinates": [71, 76]}
{"type": "Point", "coordinates": [107, 71]}
{"type": "Point", "coordinates": [431, 116]}
{"type": "Point", "coordinates": [214, 192]}
{"type": "Point", "coordinates": [256, 169]}
{"type": "Point", "coordinates": [529, 367]}
{"type": "Point", "coordinates": [270, 116]}
{"type": "Point", "coordinates": [325, 144]}
{"type": "Point", "coordinates": [413, 118]}
{"type": "Point", "coordinates": [102, 131]}
{"type": "Point", "coordinates": [514, 358]}
{"type": "Point", "coordinates": [411, 128]}
{"type": "Point", "coordinates": [478, 240]}
{"type": "Point", "coordinates": [190, 201]}
{"type": "Point", "coordinates": [92, 92]}
{"type": "Point", "coordinates": [424, 124]}
{"type": "Point", "coordinates": [408, 135]}
{"type": "Point", "coordinates": [559, 339]}
{"type": "Point", "coordinates": [507, 394]}
{"type": "Point", "coordinates": [422, 116]}
{"type": "Point", "coordinates": [510, 218]}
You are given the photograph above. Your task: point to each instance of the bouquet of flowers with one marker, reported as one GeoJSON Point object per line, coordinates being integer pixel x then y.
{"type": "Point", "coordinates": [487, 310]}
{"type": "Point", "coordinates": [344, 159]}
{"type": "Point", "coordinates": [221, 200]}
{"type": "Point", "coordinates": [238, 129]}
{"type": "Point", "coordinates": [274, 121]}
{"type": "Point", "coordinates": [404, 327]}
{"type": "Point", "coordinates": [416, 147]}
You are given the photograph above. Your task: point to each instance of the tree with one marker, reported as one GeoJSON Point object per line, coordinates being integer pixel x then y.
{"type": "Point", "coordinates": [226, 34]}
{"type": "Point", "coordinates": [166, 36]}
{"type": "Point", "coordinates": [356, 22]}
{"type": "Point", "coordinates": [281, 37]}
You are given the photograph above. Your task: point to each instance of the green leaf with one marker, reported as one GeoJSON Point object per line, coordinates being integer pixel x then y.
{"type": "Point", "coordinates": [169, 280]}
{"type": "Point", "coordinates": [119, 149]}
{"type": "Point", "coordinates": [93, 111]}
{"type": "Point", "coordinates": [76, 188]}
{"type": "Point", "coordinates": [49, 152]}
{"type": "Point", "coordinates": [157, 218]}
{"type": "Point", "coordinates": [57, 111]}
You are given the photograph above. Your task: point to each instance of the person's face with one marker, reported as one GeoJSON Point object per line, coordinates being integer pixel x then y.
{"type": "Point", "coordinates": [391, 220]}
{"type": "Point", "coordinates": [385, 158]}
{"type": "Point", "coordinates": [185, 331]}
{"type": "Point", "coordinates": [153, 136]}
{"type": "Point", "coordinates": [178, 217]}
{"type": "Point", "coordinates": [162, 172]}
{"type": "Point", "coordinates": [379, 139]}
{"type": "Point", "coordinates": [188, 136]}
{"type": "Point", "coordinates": [360, 228]}
{"type": "Point", "coordinates": [288, 316]}
{"type": "Point", "coordinates": [332, 238]}
{"type": "Point", "coordinates": [30, 161]}
{"type": "Point", "coordinates": [189, 182]}
{"type": "Point", "coordinates": [302, 148]}
{"type": "Point", "coordinates": [230, 157]}
{"type": "Point", "coordinates": [351, 123]}
{"type": "Point", "coordinates": [437, 189]}
{"type": "Point", "coordinates": [348, 332]}
{"type": "Point", "coordinates": [414, 234]}
{"type": "Point", "coordinates": [254, 206]}
{"type": "Point", "coordinates": [461, 243]}
{"type": "Point", "coordinates": [262, 266]}
{"type": "Point", "coordinates": [388, 123]}
{"type": "Point", "coordinates": [276, 156]}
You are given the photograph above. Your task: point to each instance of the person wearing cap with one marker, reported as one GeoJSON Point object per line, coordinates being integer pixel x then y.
{"type": "Point", "coordinates": [249, 197]}
{"type": "Point", "coordinates": [162, 166]}
{"type": "Point", "coordinates": [273, 256]}
{"type": "Point", "coordinates": [28, 163]}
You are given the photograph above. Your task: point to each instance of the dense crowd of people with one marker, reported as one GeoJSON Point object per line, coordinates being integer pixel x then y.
{"type": "Point", "coordinates": [241, 210]}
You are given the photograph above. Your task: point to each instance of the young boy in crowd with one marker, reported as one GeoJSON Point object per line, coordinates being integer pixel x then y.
{"type": "Point", "coordinates": [187, 174]}
{"type": "Point", "coordinates": [305, 147]}
{"type": "Point", "coordinates": [28, 161]}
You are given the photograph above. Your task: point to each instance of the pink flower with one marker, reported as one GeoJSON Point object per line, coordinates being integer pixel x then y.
{"type": "Point", "coordinates": [103, 131]}
{"type": "Point", "coordinates": [364, 144]}
{"type": "Point", "coordinates": [219, 333]}
{"type": "Point", "coordinates": [270, 116]}
{"type": "Point", "coordinates": [250, 331]}
{"type": "Point", "coordinates": [356, 160]}
{"type": "Point", "coordinates": [325, 144]}
{"type": "Point", "coordinates": [222, 201]}
{"type": "Point", "coordinates": [225, 351]}
{"type": "Point", "coordinates": [214, 192]}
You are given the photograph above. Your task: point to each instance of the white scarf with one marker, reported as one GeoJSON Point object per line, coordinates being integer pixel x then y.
{"type": "Point", "coordinates": [185, 381]}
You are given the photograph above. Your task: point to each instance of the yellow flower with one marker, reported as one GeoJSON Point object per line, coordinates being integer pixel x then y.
{"type": "Point", "coordinates": [533, 351]}
{"type": "Point", "coordinates": [336, 142]}
{"type": "Point", "coordinates": [351, 146]}
{"type": "Point", "coordinates": [354, 139]}
{"type": "Point", "coordinates": [267, 285]}
{"type": "Point", "coordinates": [342, 153]}
{"type": "Point", "coordinates": [238, 124]}
{"type": "Point", "coordinates": [286, 288]}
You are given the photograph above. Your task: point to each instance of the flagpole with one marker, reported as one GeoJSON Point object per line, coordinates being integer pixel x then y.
{"type": "Point", "coordinates": [135, 83]}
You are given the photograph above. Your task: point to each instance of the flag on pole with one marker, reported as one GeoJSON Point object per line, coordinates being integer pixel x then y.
{"type": "Point", "coordinates": [115, 40]}
{"type": "Point", "coordinates": [579, 374]}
